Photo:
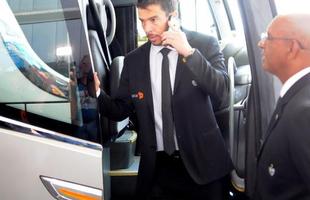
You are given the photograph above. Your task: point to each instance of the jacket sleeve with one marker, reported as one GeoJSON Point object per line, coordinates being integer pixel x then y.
{"type": "Point", "coordinates": [299, 141]}
{"type": "Point", "coordinates": [119, 107]}
{"type": "Point", "coordinates": [207, 65]}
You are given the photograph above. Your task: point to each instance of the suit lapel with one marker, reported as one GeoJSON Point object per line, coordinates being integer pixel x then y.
{"type": "Point", "coordinates": [180, 68]}
{"type": "Point", "coordinates": [180, 64]}
{"type": "Point", "coordinates": [275, 116]}
{"type": "Point", "coordinates": [147, 88]}
{"type": "Point", "coordinates": [273, 121]}
{"type": "Point", "coordinates": [304, 81]}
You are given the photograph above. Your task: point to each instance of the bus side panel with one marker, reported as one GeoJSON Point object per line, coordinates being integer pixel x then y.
{"type": "Point", "coordinates": [24, 158]}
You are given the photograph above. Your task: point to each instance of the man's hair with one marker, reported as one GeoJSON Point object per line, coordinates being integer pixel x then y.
{"type": "Point", "coordinates": [167, 5]}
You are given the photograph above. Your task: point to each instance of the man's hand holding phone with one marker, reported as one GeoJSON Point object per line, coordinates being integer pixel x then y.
{"type": "Point", "coordinates": [175, 38]}
{"type": "Point", "coordinates": [173, 24]}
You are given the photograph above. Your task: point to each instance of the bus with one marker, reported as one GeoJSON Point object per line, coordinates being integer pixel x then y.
{"type": "Point", "coordinates": [54, 142]}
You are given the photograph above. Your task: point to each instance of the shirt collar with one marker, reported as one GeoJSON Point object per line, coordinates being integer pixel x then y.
{"type": "Point", "coordinates": [292, 80]}
{"type": "Point", "coordinates": [156, 49]}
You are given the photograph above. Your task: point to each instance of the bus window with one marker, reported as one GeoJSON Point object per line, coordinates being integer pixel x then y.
{"type": "Point", "coordinates": [46, 71]}
{"type": "Point", "coordinates": [197, 16]}
{"type": "Point", "coordinates": [289, 6]}
{"type": "Point", "coordinates": [236, 17]}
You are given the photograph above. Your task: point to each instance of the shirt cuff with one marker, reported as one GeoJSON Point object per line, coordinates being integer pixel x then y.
{"type": "Point", "coordinates": [184, 59]}
{"type": "Point", "coordinates": [98, 93]}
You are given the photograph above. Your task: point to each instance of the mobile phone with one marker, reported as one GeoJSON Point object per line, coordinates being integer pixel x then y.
{"type": "Point", "coordinates": [173, 23]}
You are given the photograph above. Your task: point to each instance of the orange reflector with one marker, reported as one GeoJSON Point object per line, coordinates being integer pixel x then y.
{"type": "Point", "coordinates": [76, 195]}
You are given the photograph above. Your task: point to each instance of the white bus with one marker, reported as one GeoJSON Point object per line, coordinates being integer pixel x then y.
{"type": "Point", "coordinates": [53, 142]}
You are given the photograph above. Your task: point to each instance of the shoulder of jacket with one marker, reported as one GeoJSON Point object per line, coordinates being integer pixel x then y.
{"type": "Point", "coordinates": [139, 50]}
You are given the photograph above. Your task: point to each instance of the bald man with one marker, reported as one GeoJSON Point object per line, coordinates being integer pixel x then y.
{"type": "Point", "coordinates": [283, 170]}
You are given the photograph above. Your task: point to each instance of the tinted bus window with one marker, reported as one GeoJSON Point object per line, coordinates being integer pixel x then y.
{"type": "Point", "coordinates": [46, 71]}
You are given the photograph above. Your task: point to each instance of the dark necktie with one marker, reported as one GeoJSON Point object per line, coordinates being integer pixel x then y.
{"type": "Point", "coordinates": [168, 125]}
{"type": "Point", "coordinates": [274, 118]}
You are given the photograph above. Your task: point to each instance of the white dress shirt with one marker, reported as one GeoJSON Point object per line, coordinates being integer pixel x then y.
{"type": "Point", "coordinates": [155, 73]}
{"type": "Point", "coordinates": [292, 80]}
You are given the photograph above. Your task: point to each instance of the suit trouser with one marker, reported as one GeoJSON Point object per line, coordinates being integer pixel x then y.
{"type": "Point", "coordinates": [172, 182]}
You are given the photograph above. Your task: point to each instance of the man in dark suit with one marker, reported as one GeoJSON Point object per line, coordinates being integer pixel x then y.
{"type": "Point", "coordinates": [284, 158]}
{"type": "Point", "coordinates": [183, 155]}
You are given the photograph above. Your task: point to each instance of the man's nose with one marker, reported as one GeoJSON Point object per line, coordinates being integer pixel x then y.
{"type": "Point", "coordinates": [261, 43]}
{"type": "Point", "coordinates": [147, 27]}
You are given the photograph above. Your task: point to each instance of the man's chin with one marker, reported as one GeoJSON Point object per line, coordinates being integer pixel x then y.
{"type": "Point", "coordinates": [266, 67]}
{"type": "Point", "coordinates": [156, 43]}
{"type": "Point", "coordinates": [264, 64]}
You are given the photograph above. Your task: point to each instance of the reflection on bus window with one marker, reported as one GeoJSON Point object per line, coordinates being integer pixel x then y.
{"type": "Point", "coordinates": [41, 46]}
{"type": "Point", "coordinates": [28, 62]}
{"type": "Point", "coordinates": [88, 101]}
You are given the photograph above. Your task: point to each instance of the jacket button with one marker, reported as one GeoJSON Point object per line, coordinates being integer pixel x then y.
{"type": "Point", "coordinates": [276, 117]}
{"type": "Point", "coordinates": [271, 170]}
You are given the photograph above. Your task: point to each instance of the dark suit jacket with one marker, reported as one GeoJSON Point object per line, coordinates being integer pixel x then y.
{"type": "Point", "coordinates": [200, 142]}
{"type": "Point", "coordinates": [284, 159]}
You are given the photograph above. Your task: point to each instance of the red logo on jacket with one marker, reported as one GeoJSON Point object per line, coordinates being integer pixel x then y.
{"type": "Point", "coordinates": [139, 95]}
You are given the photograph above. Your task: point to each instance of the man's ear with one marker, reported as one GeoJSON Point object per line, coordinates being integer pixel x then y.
{"type": "Point", "coordinates": [174, 14]}
{"type": "Point", "coordinates": [294, 49]}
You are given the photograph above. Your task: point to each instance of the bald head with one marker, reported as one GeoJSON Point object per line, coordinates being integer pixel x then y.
{"type": "Point", "coordinates": [294, 26]}
{"type": "Point", "coordinates": [286, 49]}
